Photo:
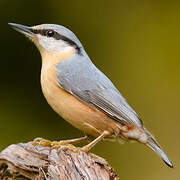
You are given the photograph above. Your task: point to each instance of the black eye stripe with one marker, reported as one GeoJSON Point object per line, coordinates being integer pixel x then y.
{"type": "Point", "coordinates": [57, 36]}
{"type": "Point", "coordinates": [43, 32]}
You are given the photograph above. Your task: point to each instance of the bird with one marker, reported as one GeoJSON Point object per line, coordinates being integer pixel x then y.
{"type": "Point", "coordinates": [81, 94]}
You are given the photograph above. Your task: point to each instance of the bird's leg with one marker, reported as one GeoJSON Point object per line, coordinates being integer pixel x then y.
{"type": "Point", "coordinates": [94, 142]}
{"type": "Point", "coordinates": [67, 143]}
{"type": "Point", "coordinates": [47, 143]}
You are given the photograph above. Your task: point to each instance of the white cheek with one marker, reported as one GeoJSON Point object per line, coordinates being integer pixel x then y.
{"type": "Point", "coordinates": [52, 45]}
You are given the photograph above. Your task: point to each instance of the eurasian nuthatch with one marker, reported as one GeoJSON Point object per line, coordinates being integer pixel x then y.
{"type": "Point", "coordinates": [80, 93]}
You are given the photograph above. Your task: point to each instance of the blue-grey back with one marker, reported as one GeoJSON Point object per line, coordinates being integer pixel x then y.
{"type": "Point", "coordinates": [80, 77]}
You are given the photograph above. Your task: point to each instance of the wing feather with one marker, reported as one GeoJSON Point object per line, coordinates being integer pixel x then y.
{"type": "Point", "coordinates": [83, 80]}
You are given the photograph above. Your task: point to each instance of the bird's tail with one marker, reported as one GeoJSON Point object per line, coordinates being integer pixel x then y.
{"type": "Point", "coordinates": [154, 145]}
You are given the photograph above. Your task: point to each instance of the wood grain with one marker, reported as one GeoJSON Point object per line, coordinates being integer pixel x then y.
{"type": "Point", "coordinates": [25, 161]}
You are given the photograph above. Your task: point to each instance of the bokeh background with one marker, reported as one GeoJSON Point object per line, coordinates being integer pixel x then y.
{"type": "Point", "coordinates": [136, 43]}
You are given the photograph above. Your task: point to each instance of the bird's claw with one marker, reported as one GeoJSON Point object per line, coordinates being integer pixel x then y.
{"type": "Point", "coordinates": [54, 144]}
{"type": "Point", "coordinates": [59, 145]}
{"type": "Point", "coordinates": [42, 142]}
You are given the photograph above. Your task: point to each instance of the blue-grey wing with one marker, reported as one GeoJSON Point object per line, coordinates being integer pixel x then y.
{"type": "Point", "coordinates": [79, 76]}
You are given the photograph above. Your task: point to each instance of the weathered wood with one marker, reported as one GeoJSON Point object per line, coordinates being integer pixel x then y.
{"type": "Point", "coordinates": [25, 161]}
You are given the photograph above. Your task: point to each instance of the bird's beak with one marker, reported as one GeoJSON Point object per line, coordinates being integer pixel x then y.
{"type": "Point", "coordinates": [27, 31]}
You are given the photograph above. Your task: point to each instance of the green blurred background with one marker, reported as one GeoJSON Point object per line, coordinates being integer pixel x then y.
{"type": "Point", "coordinates": [136, 43]}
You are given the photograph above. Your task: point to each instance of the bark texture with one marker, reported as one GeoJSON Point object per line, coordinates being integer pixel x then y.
{"type": "Point", "coordinates": [25, 161]}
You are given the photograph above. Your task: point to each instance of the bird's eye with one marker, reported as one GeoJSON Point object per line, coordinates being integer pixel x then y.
{"type": "Point", "coordinates": [50, 33]}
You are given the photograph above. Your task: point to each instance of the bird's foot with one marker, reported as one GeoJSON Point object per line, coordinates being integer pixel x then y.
{"type": "Point", "coordinates": [48, 143]}
{"type": "Point", "coordinates": [55, 144]}
{"type": "Point", "coordinates": [66, 144]}
{"type": "Point", "coordinates": [41, 142]}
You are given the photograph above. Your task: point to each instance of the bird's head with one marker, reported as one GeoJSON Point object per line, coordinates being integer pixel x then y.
{"type": "Point", "coordinates": [50, 38]}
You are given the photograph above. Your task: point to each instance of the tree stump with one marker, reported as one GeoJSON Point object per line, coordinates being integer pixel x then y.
{"type": "Point", "coordinates": [25, 161]}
